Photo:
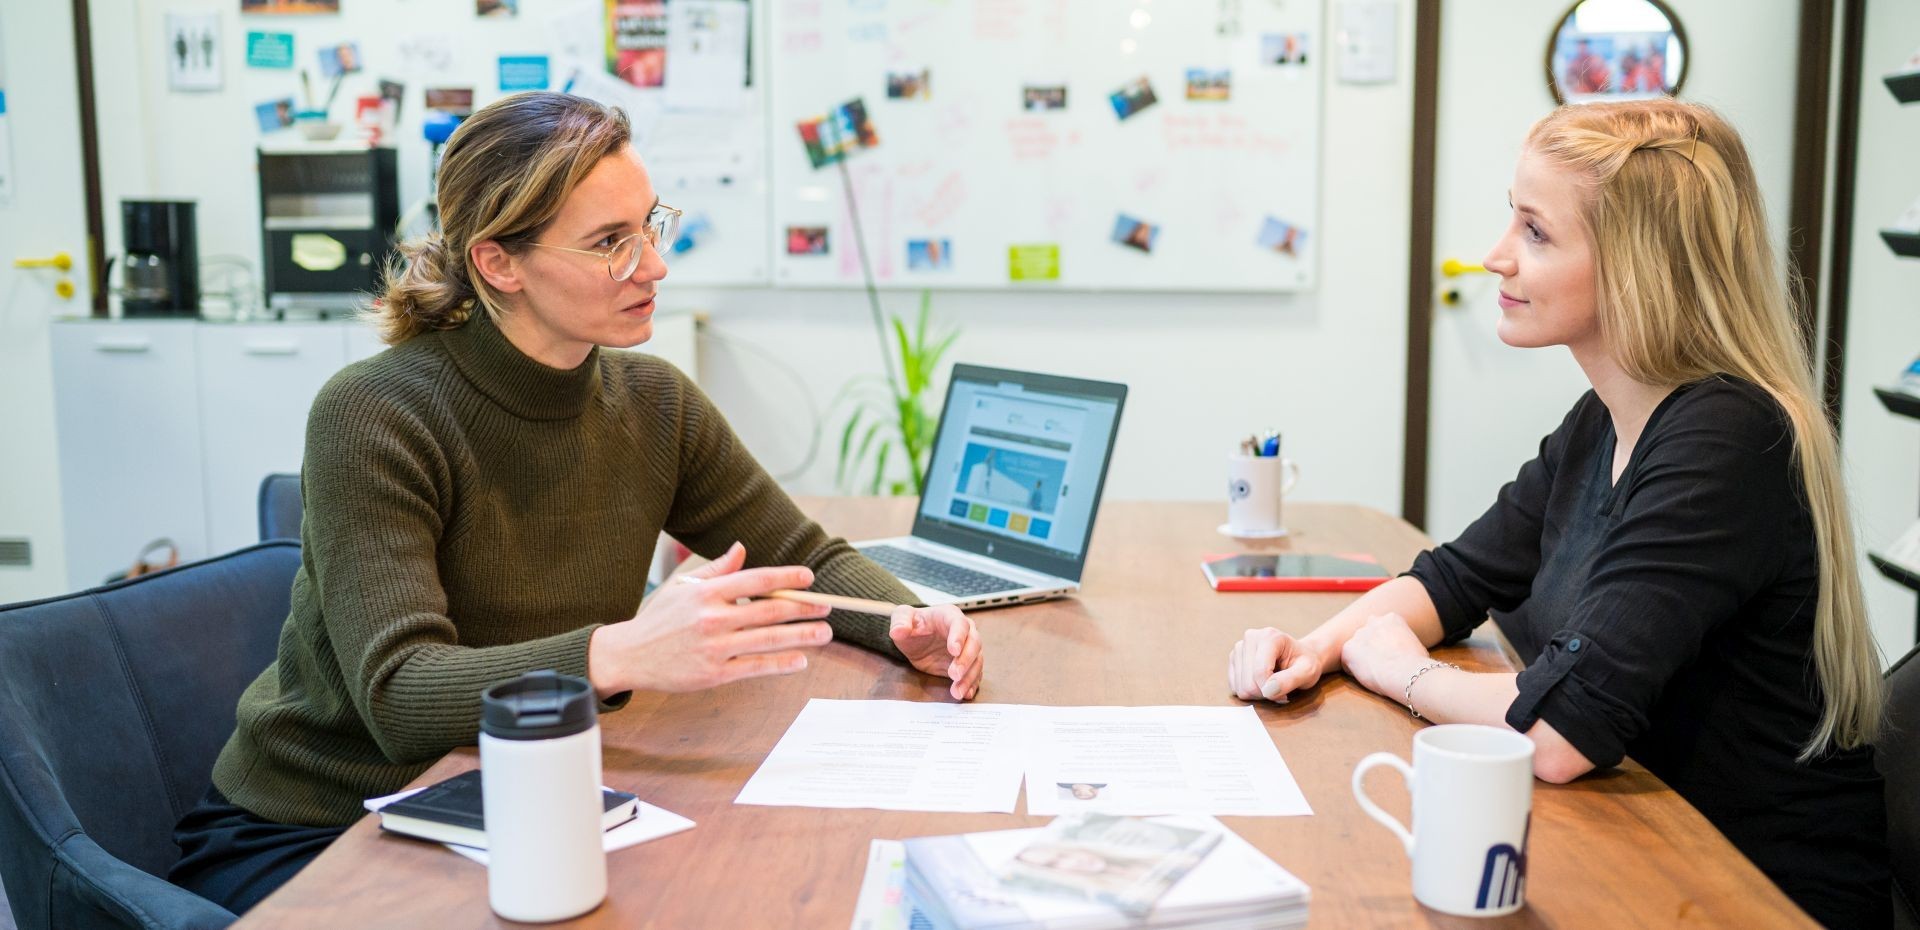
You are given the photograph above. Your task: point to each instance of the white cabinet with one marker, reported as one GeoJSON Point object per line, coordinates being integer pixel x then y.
{"type": "Point", "coordinates": [257, 381]}
{"type": "Point", "coordinates": [166, 427]}
{"type": "Point", "coordinates": [128, 420]}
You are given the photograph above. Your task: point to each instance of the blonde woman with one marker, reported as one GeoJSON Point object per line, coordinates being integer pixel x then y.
{"type": "Point", "coordinates": [483, 498]}
{"type": "Point", "coordinates": [1677, 564]}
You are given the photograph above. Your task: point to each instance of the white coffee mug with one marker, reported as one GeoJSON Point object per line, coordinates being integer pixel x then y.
{"type": "Point", "coordinates": [1472, 802]}
{"type": "Point", "coordinates": [1255, 488]}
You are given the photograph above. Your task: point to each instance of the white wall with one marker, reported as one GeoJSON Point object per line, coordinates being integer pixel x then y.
{"type": "Point", "coordinates": [1883, 332]}
{"type": "Point", "coordinates": [1327, 368]}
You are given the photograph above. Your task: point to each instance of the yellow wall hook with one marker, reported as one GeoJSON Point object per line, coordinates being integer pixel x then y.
{"type": "Point", "coordinates": [1454, 268]}
{"type": "Point", "coordinates": [61, 261]}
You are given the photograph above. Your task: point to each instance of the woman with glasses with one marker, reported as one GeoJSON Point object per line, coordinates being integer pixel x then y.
{"type": "Point", "coordinates": [483, 499]}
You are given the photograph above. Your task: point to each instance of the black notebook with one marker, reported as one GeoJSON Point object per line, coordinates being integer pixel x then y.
{"type": "Point", "coordinates": [450, 812]}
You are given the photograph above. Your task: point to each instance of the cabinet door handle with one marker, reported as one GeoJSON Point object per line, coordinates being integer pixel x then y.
{"type": "Point", "coordinates": [272, 348]}
{"type": "Point", "coordinates": [127, 345]}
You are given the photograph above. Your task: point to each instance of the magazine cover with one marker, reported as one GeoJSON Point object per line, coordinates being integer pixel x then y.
{"type": "Point", "coordinates": [1126, 862]}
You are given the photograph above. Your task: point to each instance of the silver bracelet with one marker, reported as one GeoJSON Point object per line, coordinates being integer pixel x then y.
{"type": "Point", "coordinates": [1422, 670]}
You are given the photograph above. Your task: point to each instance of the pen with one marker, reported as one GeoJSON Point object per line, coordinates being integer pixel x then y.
{"type": "Point", "coordinates": [1272, 446]}
{"type": "Point", "coordinates": [856, 604]}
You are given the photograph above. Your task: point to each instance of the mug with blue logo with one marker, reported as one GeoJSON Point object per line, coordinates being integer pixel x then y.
{"type": "Point", "coordinates": [1472, 791]}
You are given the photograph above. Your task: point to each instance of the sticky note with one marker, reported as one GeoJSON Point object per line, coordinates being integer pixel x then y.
{"type": "Point", "coordinates": [1039, 262]}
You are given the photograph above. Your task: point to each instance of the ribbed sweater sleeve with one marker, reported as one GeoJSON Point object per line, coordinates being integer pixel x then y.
{"type": "Point", "coordinates": [725, 496]}
{"type": "Point", "coordinates": [375, 567]}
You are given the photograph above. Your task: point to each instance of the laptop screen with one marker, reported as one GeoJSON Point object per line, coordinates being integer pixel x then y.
{"type": "Point", "coordinates": [1018, 466]}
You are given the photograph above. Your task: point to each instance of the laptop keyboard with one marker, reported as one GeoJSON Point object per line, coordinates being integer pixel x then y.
{"type": "Point", "coordinates": [933, 573]}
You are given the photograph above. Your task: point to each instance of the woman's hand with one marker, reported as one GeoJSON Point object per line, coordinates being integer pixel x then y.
{"type": "Point", "coordinates": [692, 634]}
{"type": "Point", "coordinates": [1382, 654]}
{"type": "Point", "coordinates": [1268, 663]}
{"type": "Point", "coordinates": [941, 641]}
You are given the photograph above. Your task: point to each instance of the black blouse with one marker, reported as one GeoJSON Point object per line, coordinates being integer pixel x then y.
{"type": "Point", "coordinates": [1669, 616]}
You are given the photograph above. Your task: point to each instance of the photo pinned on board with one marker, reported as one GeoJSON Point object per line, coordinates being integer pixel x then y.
{"type": "Point", "coordinates": [929, 254]}
{"type": "Point", "coordinates": [288, 7]}
{"type": "Point", "coordinates": [1283, 48]}
{"type": "Point", "coordinates": [274, 115]}
{"type": "Point", "coordinates": [339, 58]}
{"type": "Point", "coordinates": [453, 101]}
{"type": "Point", "coordinates": [910, 85]}
{"type": "Point", "coordinates": [498, 9]}
{"type": "Point", "coordinates": [1135, 233]}
{"type": "Point", "coordinates": [1209, 84]}
{"type": "Point", "coordinates": [1043, 97]}
{"type": "Point", "coordinates": [1283, 237]}
{"type": "Point", "coordinates": [1132, 97]}
{"type": "Point", "coordinates": [807, 240]}
{"type": "Point", "coordinates": [836, 135]}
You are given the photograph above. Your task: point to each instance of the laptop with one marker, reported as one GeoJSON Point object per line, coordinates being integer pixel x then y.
{"type": "Point", "coordinates": [1013, 485]}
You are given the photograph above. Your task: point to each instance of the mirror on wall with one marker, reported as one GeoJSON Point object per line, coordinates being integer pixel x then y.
{"type": "Point", "coordinates": [1616, 50]}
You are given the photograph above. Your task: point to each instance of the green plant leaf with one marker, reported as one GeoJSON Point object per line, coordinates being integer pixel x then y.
{"type": "Point", "coordinates": [880, 467]}
{"type": "Point", "coordinates": [846, 442]}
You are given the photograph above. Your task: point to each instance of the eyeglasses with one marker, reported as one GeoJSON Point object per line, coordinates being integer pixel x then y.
{"type": "Point", "coordinates": [662, 229]}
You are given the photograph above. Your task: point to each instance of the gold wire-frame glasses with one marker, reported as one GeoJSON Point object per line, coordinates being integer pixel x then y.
{"type": "Point", "coordinates": [663, 227]}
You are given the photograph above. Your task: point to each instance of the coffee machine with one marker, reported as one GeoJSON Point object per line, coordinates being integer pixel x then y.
{"type": "Point", "coordinates": [160, 274]}
{"type": "Point", "coordinates": [327, 225]}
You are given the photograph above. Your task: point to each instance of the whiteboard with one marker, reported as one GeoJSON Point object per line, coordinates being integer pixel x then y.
{"type": "Point", "coordinates": [704, 154]}
{"type": "Point", "coordinates": [967, 185]}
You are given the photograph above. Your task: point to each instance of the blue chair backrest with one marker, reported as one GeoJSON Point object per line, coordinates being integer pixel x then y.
{"type": "Point", "coordinates": [280, 507]}
{"type": "Point", "coordinates": [114, 704]}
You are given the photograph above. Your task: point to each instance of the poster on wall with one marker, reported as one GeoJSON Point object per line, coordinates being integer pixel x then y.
{"type": "Point", "coordinates": [193, 51]}
{"type": "Point", "coordinates": [289, 7]}
{"type": "Point", "coordinates": [637, 41]}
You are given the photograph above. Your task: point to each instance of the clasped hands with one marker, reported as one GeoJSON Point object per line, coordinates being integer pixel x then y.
{"type": "Point", "coordinates": [697, 632]}
{"type": "Point", "coordinates": [1267, 663]}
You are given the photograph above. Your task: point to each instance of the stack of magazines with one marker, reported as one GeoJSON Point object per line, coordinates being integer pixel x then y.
{"type": "Point", "coordinates": [1095, 871]}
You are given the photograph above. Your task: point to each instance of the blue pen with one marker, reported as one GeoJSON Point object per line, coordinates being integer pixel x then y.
{"type": "Point", "coordinates": [1272, 446]}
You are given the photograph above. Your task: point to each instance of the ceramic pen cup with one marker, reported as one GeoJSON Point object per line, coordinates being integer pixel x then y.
{"type": "Point", "coordinates": [1256, 486]}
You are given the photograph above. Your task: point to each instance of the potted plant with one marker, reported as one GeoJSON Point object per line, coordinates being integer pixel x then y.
{"type": "Point", "coordinates": [889, 423]}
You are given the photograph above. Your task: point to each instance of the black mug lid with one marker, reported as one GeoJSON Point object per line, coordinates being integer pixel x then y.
{"type": "Point", "coordinates": [538, 705]}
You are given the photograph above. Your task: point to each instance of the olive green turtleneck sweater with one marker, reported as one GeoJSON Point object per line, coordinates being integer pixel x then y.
{"type": "Point", "coordinates": [472, 514]}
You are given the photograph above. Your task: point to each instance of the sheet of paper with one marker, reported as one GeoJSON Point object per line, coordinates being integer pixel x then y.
{"type": "Point", "coordinates": [883, 903]}
{"type": "Point", "coordinates": [1155, 760]}
{"type": "Point", "coordinates": [707, 55]}
{"type": "Point", "coordinates": [648, 823]}
{"type": "Point", "coordinates": [894, 755]}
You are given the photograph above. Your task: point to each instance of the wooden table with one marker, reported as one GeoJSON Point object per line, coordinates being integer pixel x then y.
{"type": "Point", "coordinates": [1613, 849]}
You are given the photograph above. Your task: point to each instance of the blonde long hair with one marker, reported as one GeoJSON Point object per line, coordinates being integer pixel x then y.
{"type": "Point", "coordinates": [504, 176]}
{"type": "Point", "coordinates": [1688, 288]}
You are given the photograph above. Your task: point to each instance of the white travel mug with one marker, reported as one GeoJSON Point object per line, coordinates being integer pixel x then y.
{"type": "Point", "coordinates": [540, 790]}
{"type": "Point", "coordinates": [1472, 804]}
{"type": "Point", "coordinates": [1256, 484]}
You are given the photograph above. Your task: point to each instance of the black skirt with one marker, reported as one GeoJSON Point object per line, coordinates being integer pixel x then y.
{"type": "Point", "coordinates": [235, 858]}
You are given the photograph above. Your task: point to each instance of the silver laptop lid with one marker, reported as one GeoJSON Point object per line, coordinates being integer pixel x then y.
{"type": "Point", "coordinates": [1018, 466]}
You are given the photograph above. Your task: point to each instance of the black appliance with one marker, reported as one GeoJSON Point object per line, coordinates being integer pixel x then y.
{"type": "Point", "coordinates": [160, 275]}
{"type": "Point", "coordinates": [326, 226]}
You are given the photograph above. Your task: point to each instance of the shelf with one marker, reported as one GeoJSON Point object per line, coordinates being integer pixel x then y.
{"type": "Point", "coordinates": [1895, 572]}
{"type": "Point", "coordinates": [1902, 242]}
{"type": "Point", "coordinates": [1899, 402]}
{"type": "Point", "coordinates": [1905, 86]}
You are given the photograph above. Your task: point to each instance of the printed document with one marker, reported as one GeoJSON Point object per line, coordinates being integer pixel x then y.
{"type": "Point", "coordinates": [894, 755]}
{"type": "Point", "coordinates": [1155, 760]}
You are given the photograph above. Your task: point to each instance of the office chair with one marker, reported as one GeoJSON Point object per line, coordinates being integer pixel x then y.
{"type": "Point", "coordinates": [1898, 756]}
{"type": "Point", "coordinates": [113, 704]}
{"type": "Point", "coordinates": [280, 507]}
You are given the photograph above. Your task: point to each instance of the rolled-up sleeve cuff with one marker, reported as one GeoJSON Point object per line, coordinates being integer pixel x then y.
{"type": "Point", "coordinates": [1552, 689]}
{"type": "Point", "coordinates": [1457, 620]}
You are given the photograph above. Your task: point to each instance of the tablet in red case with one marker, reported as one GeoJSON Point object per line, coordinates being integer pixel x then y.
{"type": "Point", "coordinates": [1346, 571]}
